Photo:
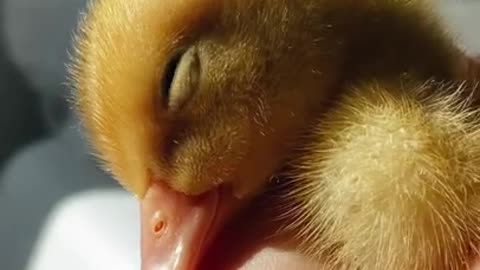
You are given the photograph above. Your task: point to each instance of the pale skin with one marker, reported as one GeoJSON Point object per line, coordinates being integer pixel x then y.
{"type": "Point", "coordinates": [355, 123]}
{"type": "Point", "coordinates": [258, 251]}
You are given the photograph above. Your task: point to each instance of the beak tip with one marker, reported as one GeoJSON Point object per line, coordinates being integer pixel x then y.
{"type": "Point", "coordinates": [175, 228]}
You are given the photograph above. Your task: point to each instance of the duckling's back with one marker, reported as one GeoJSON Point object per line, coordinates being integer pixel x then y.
{"type": "Point", "coordinates": [389, 176]}
{"type": "Point", "coordinates": [392, 180]}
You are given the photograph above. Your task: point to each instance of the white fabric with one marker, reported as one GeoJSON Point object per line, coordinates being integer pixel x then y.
{"type": "Point", "coordinates": [96, 230]}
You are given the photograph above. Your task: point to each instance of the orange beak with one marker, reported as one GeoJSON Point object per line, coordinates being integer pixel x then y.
{"type": "Point", "coordinates": [178, 229]}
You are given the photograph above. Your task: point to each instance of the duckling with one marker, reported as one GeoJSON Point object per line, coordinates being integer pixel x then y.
{"type": "Point", "coordinates": [364, 114]}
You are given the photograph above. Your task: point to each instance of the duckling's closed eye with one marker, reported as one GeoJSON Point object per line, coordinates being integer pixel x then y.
{"type": "Point", "coordinates": [180, 79]}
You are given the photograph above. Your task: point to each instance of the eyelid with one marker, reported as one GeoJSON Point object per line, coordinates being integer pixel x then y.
{"type": "Point", "coordinates": [185, 81]}
{"type": "Point", "coordinates": [168, 77]}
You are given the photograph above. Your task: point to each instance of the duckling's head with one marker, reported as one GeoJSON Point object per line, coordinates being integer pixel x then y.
{"type": "Point", "coordinates": [182, 99]}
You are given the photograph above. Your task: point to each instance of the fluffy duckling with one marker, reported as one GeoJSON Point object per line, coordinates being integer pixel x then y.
{"type": "Point", "coordinates": [363, 112]}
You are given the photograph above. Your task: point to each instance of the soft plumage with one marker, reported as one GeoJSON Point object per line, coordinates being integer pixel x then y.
{"type": "Point", "coordinates": [366, 111]}
{"type": "Point", "coordinates": [391, 180]}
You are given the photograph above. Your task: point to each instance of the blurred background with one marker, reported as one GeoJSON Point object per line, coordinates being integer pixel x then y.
{"type": "Point", "coordinates": [44, 159]}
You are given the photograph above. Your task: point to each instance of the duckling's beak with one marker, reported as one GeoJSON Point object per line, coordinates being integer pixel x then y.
{"type": "Point", "coordinates": [178, 229]}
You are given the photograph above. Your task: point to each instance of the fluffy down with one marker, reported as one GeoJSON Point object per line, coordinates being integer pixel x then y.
{"type": "Point", "coordinates": [390, 179]}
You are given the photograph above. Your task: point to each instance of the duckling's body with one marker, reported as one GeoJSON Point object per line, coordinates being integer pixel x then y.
{"type": "Point", "coordinates": [390, 180]}
{"type": "Point", "coordinates": [358, 108]}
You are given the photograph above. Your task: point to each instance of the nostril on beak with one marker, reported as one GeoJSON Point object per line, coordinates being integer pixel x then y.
{"type": "Point", "coordinates": [159, 224]}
